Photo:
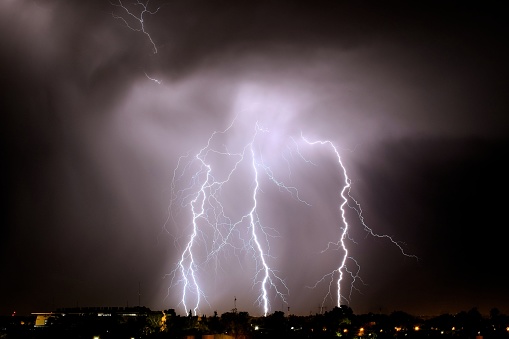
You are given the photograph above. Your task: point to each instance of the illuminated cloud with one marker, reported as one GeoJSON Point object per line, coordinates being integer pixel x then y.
{"type": "Point", "coordinates": [415, 99]}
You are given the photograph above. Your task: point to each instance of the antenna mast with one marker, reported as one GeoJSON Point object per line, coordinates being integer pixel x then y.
{"type": "Point", "coordinates": [139, 294]}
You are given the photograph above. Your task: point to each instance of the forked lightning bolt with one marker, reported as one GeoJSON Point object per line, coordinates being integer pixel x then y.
{"type": "Point", "coordinates": [207, 212]}
{"type": "Point", "coordinates": [341, 243]}
{"type": "Point", "coordinates": [197, 187]}
{"type": "Point", "coordinates": [141, 9]}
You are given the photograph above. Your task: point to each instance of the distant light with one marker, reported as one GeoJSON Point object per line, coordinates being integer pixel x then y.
{"type": "Point", "coordinates": [416, 328]}
{"type": "Point", "coordinates": [96, 337]}
{"type": "Point", "coordinates": [256, 328]}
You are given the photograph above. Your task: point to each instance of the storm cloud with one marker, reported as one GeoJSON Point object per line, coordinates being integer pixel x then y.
{"type": "Point", "coordinates": [414, 95]}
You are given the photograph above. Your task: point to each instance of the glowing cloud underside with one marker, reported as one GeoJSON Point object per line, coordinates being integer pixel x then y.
{"type": "Point", "coordinates": [199, 187]}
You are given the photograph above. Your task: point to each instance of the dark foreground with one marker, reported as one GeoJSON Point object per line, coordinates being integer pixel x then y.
{"type": "Point", "coordinates": [141, 322]}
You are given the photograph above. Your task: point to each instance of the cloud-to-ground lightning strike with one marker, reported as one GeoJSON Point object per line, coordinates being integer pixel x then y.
{"type": "Point", "coordinates": [346, 197]}
{"type": "Point", "coordinates": [199, 186]}
{"type": "Point", "coordinates": [203, 198]}
{"type": "Point", "coordinates": [213, 230]}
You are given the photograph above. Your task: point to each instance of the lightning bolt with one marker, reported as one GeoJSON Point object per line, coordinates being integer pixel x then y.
{"type": "Point", "coordinates": [208, 212]}
{"type": "Point", "coordinates": [213, 230]}
{"type": "Point", "coordinates": [343, 234]}
{"type": "Point", "coordinates": [139, 18]}
{"type": "Point", "coordinates": [343, 269]}
{"type": "Point", "coordinates": [154, 80]}
{"type": "Point", "coordinates": [142, 8]}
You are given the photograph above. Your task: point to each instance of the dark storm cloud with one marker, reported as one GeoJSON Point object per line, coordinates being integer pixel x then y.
{"type": "Point", "coordinates": [90, 142]}
{"type": "Point", "coordinates": [405, 68]}
{"type": "Point", "coordinates": [65, 218]}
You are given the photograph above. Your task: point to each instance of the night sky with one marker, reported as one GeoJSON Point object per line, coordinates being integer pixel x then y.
{"type": "Point", "coordinates": [415, 97]}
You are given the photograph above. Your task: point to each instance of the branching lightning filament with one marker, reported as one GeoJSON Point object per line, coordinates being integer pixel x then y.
{"type": "Point", "coordinates": [202, 190]}
{"type": "Point", "coordinates": [141, 9]}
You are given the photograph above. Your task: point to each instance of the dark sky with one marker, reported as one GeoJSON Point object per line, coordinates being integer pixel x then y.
{"type": "Point", "coordinates": [414, 97]}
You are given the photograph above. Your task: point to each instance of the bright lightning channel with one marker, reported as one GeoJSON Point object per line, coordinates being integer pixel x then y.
{"type": "Point", "coordinates": [202, 197]}
{"type": "Point", "coordinates": [207, 210]}
{"type": "Point", "coordinates": [344, 232]}
{"type": "Point", "coordinates": [341, 244]}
